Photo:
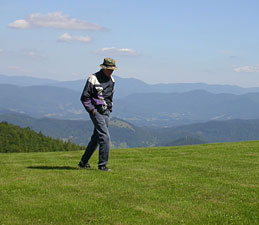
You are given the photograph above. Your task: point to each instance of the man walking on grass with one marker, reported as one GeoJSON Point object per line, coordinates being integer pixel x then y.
{"type": "Point", "coordinates": [97, 99]}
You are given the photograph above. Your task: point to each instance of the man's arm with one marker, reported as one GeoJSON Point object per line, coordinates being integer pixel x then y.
{"type": "Point", "coordinates": [112, 95]}
{"type": "Point", "coordinates": [86, 97]}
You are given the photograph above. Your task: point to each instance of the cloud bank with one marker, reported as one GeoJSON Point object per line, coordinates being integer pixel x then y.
{"type": "Point", "coordinates": [117, 51]}
{"type": "Point", "coordinates": [56, 20]}
{"type": "Point", "coordinates": [66, 37]}
{"type": "Point", "coordinates": [247, 69]}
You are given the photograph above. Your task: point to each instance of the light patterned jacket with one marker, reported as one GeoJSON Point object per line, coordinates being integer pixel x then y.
{"type": "Point", "coordinates": [98, 92]}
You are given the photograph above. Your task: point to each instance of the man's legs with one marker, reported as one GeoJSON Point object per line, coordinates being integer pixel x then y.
{"type": "Point", "coordinates": [91, 147]}
{"type": "Point", "coordinates": [104, 143]}
{"type": "Point", "coordinates": [101, 122]}
{"type": "Point", "coordinates": [100, 136]}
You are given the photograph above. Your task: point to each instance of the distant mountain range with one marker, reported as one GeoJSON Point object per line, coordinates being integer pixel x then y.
{"type": "Point", "coordinates": [161, 105]}
{"type": "Point", "coordinates": [128, 86]}
{"type": "Point", "coordinates": [25, 80]}
{"type": "Point", "coordinates": [124, 134]}
{"type": "Point", "coordinates": [40, 101]}
{"type": "Point", "coordinates": [143, 115]}
{"type": "Point", "coordinates": [149, 109]}
{"type": "Point", "coordinates": [162, 109]}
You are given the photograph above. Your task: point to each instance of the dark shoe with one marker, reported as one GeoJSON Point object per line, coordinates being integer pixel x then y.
{"type": "Point", "coordinates": [104, 168]}
{"type": "Point", "coordinates": [83, 166]}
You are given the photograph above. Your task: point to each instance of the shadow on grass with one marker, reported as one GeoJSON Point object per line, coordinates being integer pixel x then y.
{"type": "Point", "coordinates": [52, 167]}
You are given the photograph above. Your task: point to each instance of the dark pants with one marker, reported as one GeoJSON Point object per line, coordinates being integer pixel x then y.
{"type": "Point", "coordinates": [100, 136]}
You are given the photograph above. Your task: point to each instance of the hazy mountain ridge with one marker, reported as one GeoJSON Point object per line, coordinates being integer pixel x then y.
{"type": "Point", "coordinates": [124, 134]}
{"type": "Point", "coordinates": [185, 108]}
{"type": "Point", "coordinates": [145, 109]}
{"type": "Point", "coordinates": [61, 100]}
{"type": "Point", "coordinates": [25, 80]}
{"type": "Point", "coordinates": [40, 101]}
{"type": "Point", "coordinates": [128, 86]}
{"type": "Point", "coordinates": [211, 132]}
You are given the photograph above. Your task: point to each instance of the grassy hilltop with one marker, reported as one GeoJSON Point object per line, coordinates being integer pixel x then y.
{"type": "Point", "coordinates": [202, 184]}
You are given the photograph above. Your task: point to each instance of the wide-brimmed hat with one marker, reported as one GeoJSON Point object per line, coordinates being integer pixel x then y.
{"type": "Point", "coordinates": [109, 64]}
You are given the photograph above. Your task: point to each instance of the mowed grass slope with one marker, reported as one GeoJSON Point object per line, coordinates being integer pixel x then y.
{"type": "Point", "coordinates": [202, 184]}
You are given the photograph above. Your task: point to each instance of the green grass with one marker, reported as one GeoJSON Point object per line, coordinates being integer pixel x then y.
{"type": "Point", "coordinates": [203, 184]}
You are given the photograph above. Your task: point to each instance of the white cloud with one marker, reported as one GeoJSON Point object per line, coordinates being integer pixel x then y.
{"type": "Point", "coordinates": [55, 20]}
{"type": "Point", "coordinates": [22, 24]}
{"type": "Point", "coordinates": [117, 51]}
{"type": "Point", "coordinates": [19, 69]}
{"type": "Point", "coordinates": [66, 37]}
{"type": "Point", "coordinates": [247, 69]}
{"type": "Point", "coordinates": [34, 54]}
{"type": "Point", "coordinates": [31, 53]}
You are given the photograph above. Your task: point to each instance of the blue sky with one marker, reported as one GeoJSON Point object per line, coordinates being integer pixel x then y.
{"type": "Point", "coordinates": [162, 41]}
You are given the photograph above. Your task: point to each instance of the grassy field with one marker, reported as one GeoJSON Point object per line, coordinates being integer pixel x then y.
{"type": "Point", "coordinates": [203, 184]}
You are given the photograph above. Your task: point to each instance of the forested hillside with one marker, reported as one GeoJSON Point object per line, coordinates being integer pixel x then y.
{"type": "Point", "coordinates": [17, 139]}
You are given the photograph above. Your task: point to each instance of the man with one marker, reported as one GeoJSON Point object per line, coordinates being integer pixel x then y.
{"type": "Point", "coordinates": [97, 99]}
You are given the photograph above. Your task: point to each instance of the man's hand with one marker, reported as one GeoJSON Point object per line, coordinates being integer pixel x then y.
{"type": "Point", "coordinates": [93, 112]}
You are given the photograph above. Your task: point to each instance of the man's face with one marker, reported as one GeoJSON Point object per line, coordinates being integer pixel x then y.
{"type": "Point", "coordinates": [107, 72]}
